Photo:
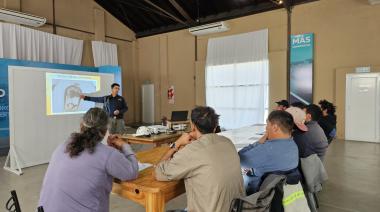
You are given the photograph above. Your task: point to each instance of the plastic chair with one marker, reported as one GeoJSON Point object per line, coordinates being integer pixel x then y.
{"type": "Point", "coordinates": [12, 204]}
{"type": "Point", "coordinates": [268, 198]}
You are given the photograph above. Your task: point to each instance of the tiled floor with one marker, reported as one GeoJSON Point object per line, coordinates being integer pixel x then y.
{"type": "Point", "coordinates": [354, 178]}
{"type": "Point", "coordinates": [353, 185]}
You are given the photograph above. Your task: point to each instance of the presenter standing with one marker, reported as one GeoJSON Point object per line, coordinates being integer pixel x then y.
{"type": "Point", "coordinates": [115, 107]}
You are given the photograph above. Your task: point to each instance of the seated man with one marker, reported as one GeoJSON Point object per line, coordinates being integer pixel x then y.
{"type": "Point", "coordinates": [282, 105]}
{"type": "Point", "coordinates": [312, 141]}
{"type": "Point", "coordinates": [275, 151]}
{"type": "Point", "coordinates": [207, 162]}
{"type": "Point", "coordinates": [328, 119]}
{"type": "Point", "coordinates": [300, 105]}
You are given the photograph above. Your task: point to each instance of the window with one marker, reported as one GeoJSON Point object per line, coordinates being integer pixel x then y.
{"type": "Point", "coordinates": [237, 78]}
{"type": "Point", "coordinates": [238, 92]}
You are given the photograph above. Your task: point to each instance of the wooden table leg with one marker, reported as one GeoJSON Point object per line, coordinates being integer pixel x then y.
{"type": "Point", "coordinates": [155, 202]}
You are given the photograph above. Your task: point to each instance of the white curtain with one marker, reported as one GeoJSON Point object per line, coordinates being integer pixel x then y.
{"type": "Point", "coordinates": [18, 42]}
{"type": "Point", "coordinates": [237, 78]}
{"type": "Point", "coordinates": [104, 53]}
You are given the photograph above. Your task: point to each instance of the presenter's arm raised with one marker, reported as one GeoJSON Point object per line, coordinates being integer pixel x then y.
{"type": "Point", "coordinates": [93, 99]}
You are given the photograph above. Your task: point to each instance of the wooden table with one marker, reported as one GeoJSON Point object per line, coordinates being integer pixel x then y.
{"type": "Point", "coordinates": [153, 194]}
{"type": "Point", "coordinates": [157, 140]}
{"type": "Point", "coordinates": [145, 190]}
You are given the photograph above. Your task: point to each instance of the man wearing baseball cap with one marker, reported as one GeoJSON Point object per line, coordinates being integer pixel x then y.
{"type": "Point", "coordinates": [307, 134]}
{"type": "Point", "coordinates": [282, 105]}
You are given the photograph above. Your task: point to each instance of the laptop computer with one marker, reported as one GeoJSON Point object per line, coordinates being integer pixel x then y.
{"type": "Point", "coordinates": [179, 115]}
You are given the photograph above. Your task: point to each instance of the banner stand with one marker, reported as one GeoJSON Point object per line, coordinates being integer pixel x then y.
{"type": "Point", "coordinates": [12, 156]}
{"type": "Point", "coordinates": [15, 162]}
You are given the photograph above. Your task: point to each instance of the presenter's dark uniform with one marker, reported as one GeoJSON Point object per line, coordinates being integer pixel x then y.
{"type": "Point", "coordinates": [110, 104]}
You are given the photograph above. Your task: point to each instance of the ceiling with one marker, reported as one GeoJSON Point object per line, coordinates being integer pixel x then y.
{"type": "Point", "coordinates": [150, 17]}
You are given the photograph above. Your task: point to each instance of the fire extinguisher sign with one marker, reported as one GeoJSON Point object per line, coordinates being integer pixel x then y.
{"type": "Point", "coordinates": [171, 95]}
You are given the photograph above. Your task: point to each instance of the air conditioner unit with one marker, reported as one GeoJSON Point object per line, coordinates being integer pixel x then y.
{"type": "Point", "coordinates": [209, 28]}
{"type": "Point", "coordinates": [21, 18]}
{"type": "Point", "coordinates": [372, 2]}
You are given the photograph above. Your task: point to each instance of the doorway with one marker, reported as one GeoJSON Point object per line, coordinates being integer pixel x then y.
{"type": "Point", "coordinates": [363, 107]}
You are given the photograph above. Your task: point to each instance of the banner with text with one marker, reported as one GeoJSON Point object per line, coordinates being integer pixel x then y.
{"type": "Point", "coordinates": [301, 68]}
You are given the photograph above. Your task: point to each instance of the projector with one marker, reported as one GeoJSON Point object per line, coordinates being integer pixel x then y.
{"type": "Point", "coordinates": [373, 2]}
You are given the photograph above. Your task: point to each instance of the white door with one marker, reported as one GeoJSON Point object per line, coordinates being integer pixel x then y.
{"type": "Point", "coordinates": [363, 107]}
{"type": "Point", "coordinates": [147, 103]}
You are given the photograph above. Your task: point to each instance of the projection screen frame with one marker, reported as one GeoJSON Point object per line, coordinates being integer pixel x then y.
{"type": "Point", "coordinates": [15, 157]}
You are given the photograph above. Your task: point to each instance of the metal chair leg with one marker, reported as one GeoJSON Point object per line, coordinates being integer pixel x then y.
{"type": "Point", "coordinates": [311, 202]}
{"type": "Point", "coordinates": [316, 200]}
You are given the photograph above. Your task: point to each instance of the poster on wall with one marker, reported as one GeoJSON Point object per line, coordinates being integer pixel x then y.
{"type": "Point", "coordinates": [301, 68]}
{"type": "Point", "coordinates": [171, 95]}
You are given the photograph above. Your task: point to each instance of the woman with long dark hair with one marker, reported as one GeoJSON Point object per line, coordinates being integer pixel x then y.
{"type": "Point", "coordinates": [328, 119]}
{"type": "Point", "coordinates": [81, 170]}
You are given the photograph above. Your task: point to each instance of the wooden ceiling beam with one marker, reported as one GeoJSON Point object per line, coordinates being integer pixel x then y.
{"type": "Point", "coordinates": [165, 12]}
{"type": "Point", "coordinates": [181, 11]}
{"type": "Point", "coordinates": [144, 16]}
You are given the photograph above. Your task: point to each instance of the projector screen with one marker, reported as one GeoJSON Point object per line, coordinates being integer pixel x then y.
{"type": "Point", "coordinates": [45, 108]}
{"type": "Point", "coordinates": [63, 93]}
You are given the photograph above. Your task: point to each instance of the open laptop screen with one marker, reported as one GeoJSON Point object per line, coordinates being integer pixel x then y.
{"type": "Point", "coordinates": [179, 115]}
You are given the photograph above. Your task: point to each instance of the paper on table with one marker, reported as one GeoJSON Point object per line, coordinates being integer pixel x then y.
{"type": "Point", "coordinates": [244, 136]}
{"type": "Point", "coordinates": [143, 166]}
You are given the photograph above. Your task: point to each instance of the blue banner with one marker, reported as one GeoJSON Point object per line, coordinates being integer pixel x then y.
{"type": "Point", "coordinates": [116, 70]}
{"type": "Point", "coordinates": [4, 98]}
{"type": "Point", "coordinates": [301, 68]}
